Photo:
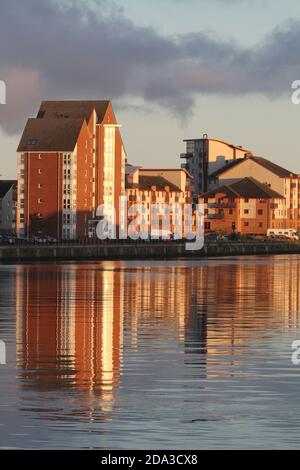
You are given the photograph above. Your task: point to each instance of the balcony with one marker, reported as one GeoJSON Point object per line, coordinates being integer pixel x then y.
{"type": "Point", "coordinates": [215, 216]}
{"type": "Point", "coordinates": [221, 205]}
{"type": "Point", "coordinates": [186, 155]}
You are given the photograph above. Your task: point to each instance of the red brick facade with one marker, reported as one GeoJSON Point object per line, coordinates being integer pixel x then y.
{"type": "Point", "coordinates": [61, 181]}
{"type": "Point", "coordinates": [246, 207]}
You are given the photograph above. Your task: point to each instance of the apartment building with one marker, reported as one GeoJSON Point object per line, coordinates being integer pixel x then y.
{"type": "Point", "coordinates": [8, 206]}
{"type": "Point", "coordinates": [206, 155]}
{"type": "Point", "coordinates": [246, 206]}
{"type": "Point", "coordinates": [154, 188]}
{"type": "Point", "coordinates": [281, 180]}
{"type": "Point", "coordinates": [71, 160]}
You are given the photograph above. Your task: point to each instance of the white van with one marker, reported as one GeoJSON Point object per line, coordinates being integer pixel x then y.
{"type": "Point", "coordinates": [289, 233]}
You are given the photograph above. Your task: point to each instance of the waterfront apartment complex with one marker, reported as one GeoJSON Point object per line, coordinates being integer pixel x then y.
{"type": "Point", "coordinates": [206, 155]}
{"type": "Point", "coordinates": [159, 189]}
{"type": "Point", "coordinates": [274, 177]}
{"type": "Point", "coordinates": [246, 206]}
{"type": "Point", "coordinates": [71, 159]}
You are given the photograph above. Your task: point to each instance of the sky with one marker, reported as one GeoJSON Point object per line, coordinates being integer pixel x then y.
{"type": "Point", "coordinates": [174, 69]}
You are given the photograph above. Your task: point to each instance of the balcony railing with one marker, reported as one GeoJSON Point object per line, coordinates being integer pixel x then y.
{"type": "Point", "coordinates": [186, 155]}
{"type": "Point", "coordinates": [215, 216]}
{"type": "Point", "coordinates": [221, 205]}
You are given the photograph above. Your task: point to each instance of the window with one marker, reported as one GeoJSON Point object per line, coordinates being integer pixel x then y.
{"type": "Point", "coordinates": [260, 212]}
{"type": "Point", "coordinates": [67, 204]}
{"type": "Point", "coordinates": [246, 224]}
{"type": "Point", "coordinates": [67, 159]}
{"type": "Point", "coordinates": [260, 224]}
{"type": "Point", "coordinates": [246, 200]}
{"type": "Point", "coordinates": [31, 141]}
{"type": "Point", "coordinates": [246, 211]}
{"type": "Point", "coordinates": [67, 189]}
{"type": "Point", "coordinates": [40, 186]}
{"type": "Point", "coordinates": [67, 218]}
{"type": "Point", "coordinates": [40, 171]}
{"type": "Point", "coordinates": [40, 156]}
{"type": "Point", "coordinates": [40, 200]}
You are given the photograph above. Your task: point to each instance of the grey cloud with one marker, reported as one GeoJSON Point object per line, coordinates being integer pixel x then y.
{"type": "Point", "coordinates": [71, 49]}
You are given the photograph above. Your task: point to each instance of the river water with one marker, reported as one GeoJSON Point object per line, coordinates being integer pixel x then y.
{"type": "Point", "coordinates": [151, 354]}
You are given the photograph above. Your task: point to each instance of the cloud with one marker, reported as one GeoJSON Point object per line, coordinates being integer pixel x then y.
{"type": "Point", "coordinates": [87, 49]}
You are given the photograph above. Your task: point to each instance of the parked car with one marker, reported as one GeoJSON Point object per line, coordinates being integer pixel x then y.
{"type": "Point", "coordinates": [288, 233]}
{"type": "Point", "coordinates": [7, 239]}
{"type": "Point", "coordinates": [211, 237]}
{"type": "Point", "coordinates": [224, 238]}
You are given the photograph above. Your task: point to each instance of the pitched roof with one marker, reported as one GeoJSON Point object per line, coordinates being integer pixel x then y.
{"type": "Point", "coordinates": [5, 186]}
{"type": "Point", "coordinates": [57, 135]}
{"type": "Point", "coordinates": [278, 170]}
{"type": "Point", "coordinates": [245, 188]}
{"type": "Point", "coordinates": [273, 167]}
{"type": "Point", "coordinates": [129, 169]}
{"type": "Point", "coordinates": [146, 182]}
{"type": "Point", "coordinates": [251, 188]}
{"type": "Point", "coordinates": [224, 189]}
{"type": "Point", "coordinates": [72, 109]}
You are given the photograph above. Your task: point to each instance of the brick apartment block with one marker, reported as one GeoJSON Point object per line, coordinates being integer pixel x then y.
{"type": "Point", "coordinates": [71, 159]}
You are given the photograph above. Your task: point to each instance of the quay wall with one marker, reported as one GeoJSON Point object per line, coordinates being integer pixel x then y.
{"type": "Point", "coordinates": [116, 251]}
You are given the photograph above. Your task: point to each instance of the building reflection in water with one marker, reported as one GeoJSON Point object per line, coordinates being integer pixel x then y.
{"type": "Point", "coordinates": [75, 322]}
{"type": "Point", "coordinates": [70, 328]}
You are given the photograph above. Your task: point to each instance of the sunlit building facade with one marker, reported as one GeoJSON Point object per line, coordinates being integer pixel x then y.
{"type": "Point", "coordinates": [286, 212]}
{"type": "Point", "coordinates": [71, 160]}
{"type": "Point", "coordinates": [159, 192]}
{"type": "Point", "coordinates": [246, 207]}
{"type": "Point", "coordinates": [206, 155]}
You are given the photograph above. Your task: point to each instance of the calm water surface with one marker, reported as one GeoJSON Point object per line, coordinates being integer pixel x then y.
{"type": "Point", "coordinates": [170, 354]}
